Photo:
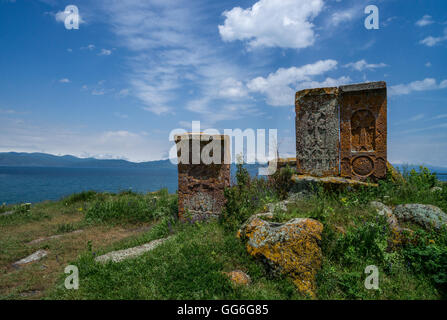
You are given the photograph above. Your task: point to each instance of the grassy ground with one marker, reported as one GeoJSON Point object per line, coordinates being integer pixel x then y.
{"type": "Point", "coordinates": [191, 263]}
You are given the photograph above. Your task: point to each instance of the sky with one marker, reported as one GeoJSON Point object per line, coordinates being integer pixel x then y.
{"type": "Point", "coordinates": [135, 70]}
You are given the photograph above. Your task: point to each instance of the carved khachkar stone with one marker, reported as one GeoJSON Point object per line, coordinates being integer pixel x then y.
{"type": "Point", "coordinates": [363, 130]}
{"type": "Point", "coordinates": [342, 131]}
{"type": "Point", "coordinates": [203, 174]}
{"type": "Point", "coordinates": [317, 132]}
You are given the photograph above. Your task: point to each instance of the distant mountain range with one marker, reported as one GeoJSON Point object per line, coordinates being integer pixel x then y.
{"type": "Point", "coordinates": [22, 159]}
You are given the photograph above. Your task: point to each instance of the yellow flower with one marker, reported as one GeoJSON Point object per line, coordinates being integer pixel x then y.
{"type": "Point", "coordinates": [431, 241]}
{"type": "Point", "coordinates": [80, 209]}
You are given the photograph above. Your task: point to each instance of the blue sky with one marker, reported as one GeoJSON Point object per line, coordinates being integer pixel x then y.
{"type": "Point", "coordinates": [137, 69]}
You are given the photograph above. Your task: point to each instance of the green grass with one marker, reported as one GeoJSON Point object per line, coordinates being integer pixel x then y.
{"type": "Point", "coordinates": [188, 266]}
{"type": "Point", "coordinates": [132, 207]}
{"type": "Point", "coordinates": [191, 264]}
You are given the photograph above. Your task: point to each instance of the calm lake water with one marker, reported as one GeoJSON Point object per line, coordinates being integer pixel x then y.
{"type": "Point", "coordinates": [31, 184]}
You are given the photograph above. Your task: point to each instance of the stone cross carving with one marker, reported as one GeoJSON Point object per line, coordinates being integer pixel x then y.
{"type": "Point", "coordinates": [202, 179]}
{"type": "Point", "coordinates": [342, 131]}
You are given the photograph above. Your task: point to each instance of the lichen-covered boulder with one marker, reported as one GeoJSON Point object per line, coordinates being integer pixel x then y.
{"type": "Point", "coordinates": [290, 248]}
{"type": "Point", "coordinates": [238, 277]}
{"type": "Point", "coordinates": [384, 210]}
{"type": "Point", "coordinates": [425, 215]}
{"type": "Point", "coordinates": [399, 235]}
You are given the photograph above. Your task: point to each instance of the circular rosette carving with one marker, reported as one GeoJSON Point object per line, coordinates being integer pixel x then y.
{"type": "Point", "coordinates": [363, 166]}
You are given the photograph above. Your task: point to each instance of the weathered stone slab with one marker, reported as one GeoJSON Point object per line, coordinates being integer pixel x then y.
{"type": "Point", "coordinates": [117, 256]}
{"type": "Point", "coordinates": [54, 237]}
{"type": "Point", "coordinates": [317, 131]}
{"type": "Point", "coordinates": [363, 130]}
{"type": "Point", "coordinates": [307, 182]}
{"type": "Point", "coordinates": [31, 258]}
{"type": "Point", "coordinates": [202, 181]}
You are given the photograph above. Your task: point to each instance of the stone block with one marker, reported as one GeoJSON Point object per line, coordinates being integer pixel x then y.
{"type": "Point", "coordinates": [363, 131]}
{"type": "Point", "coordinates": [317, 132]}
{"type": "Point", "coordinates": [203, 175]}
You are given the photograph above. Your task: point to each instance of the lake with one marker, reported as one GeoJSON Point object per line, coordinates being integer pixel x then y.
{"type": "Point", "coordinates": [35, 184]}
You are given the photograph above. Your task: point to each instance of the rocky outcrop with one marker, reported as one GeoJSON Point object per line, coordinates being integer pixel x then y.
{"type": "Point", "coordinates": [290, 248]}
{"type": "Point", "coordinates": [425, 215]}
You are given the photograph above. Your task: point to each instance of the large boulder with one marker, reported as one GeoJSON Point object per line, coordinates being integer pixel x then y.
{"type": "Point", "coordinates": [425, 215]}
{"type": "Point", "coordinates": [290, 248]}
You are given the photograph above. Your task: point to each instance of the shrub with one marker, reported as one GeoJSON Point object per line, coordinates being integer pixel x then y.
{"type": "Point", "coordinates": [281, 181]}
{"type": "Point", "coordinates": [246, 197]}
{"type": "Point", "coordinates": [83, 196]}
{"type": "Point", "coordinates": [427, 254]}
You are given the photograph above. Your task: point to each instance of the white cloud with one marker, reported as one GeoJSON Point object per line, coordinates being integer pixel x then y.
{"type": "Point", "coordinates": [105, 52]}
{"type": "Point", "coordinates": [280, 86]}
{"type": "Point", "coordinates": [64, 80]}
{"type": "Point", "coordinates": [432, 41]}
{"type": "Point", "coordinates": [123, 93]}
{"type": "Point", "coordinates": [423, 85]}
{"type": "Point", "coordinates": [168, 57]}
{"type": "Point", "coordinates": [343, 16]}
{"type": "Point", "coordinates": [428, 64]}
{"type": "Point", "coordinates": [424, 21]}
{"type": "Point", "coordinates": [273, 23]}
{"type": "Point", "coordinates": [231, 88]}
{"type": "Point", "coordinates": [363, 65]}
{"type": "Point", "coordinates": [89, 47]}
{"type": "Point", "coordinates": [32, 136]}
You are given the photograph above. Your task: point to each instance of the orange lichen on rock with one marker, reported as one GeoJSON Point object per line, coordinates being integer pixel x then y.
{"type": "Point", "coordinates": [292, 248]}
{"type": "Point", "coordinates": [395, 175]}
{"type": "Point", "coordinates": [238, 277]}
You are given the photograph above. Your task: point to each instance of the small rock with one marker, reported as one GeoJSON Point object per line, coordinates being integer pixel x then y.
{"type": "Point", "coordinates": [297, 196]}
{"type": "Point", "coordinates": [381, 208]}
{"type": "Point", "coordinates": [238, 277]}
{"type": "Point", "coordinates": [31, 258]}
{"type": "Point", "coordinates": [290, 248]}
{"type": "Point", "coordinates": [425, 215]}
{"type": "Point", "coordinates": [282, 205]}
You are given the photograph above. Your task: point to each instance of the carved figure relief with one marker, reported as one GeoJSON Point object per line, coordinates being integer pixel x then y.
{"type": "Point", "coordinates": [363, 126]}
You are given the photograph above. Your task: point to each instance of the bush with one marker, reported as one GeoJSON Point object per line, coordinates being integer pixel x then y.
{"type": "Point", "coordinates": [245, 198]}
{"type": "Point", "coordinates": [282, 182]}
{"type": "Point", "coordinates": [366, 242]}
{"type": "Point", "coordinates": [83, 196]}
{"type": "Point", "coordinates": [427, 254]}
